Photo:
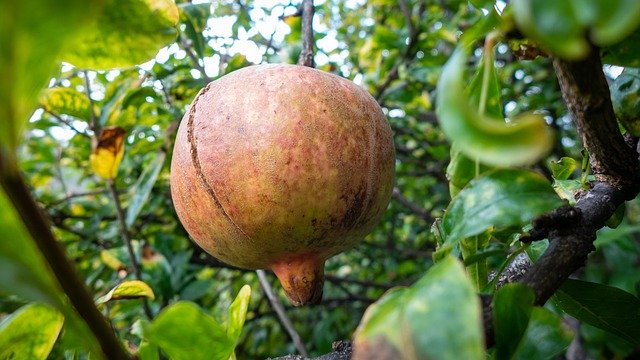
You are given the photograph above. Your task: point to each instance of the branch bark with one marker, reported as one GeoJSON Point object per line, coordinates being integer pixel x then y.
{"type": "Point", "coordinates": [615, 164]}
{"type": "Point", "coordinates": [306, 55]}
{"type": "Point", "coordinates": [282, 315]}
{"type": "Point", "coordinates": [572, 230]}
{"type": "Point", "coordinates": [62, 268]}
{"type": "Point", "coordinates": [126, 235]}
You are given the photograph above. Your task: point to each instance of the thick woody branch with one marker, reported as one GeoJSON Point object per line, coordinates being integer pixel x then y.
{"type": "Point", "coordinates": [572, 231]}
{"type": "Point", "coordinates": [586, 93]}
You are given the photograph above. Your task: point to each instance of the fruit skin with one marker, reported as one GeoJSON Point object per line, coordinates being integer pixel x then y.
{"type": "Point", "coordinates": [282, 166]}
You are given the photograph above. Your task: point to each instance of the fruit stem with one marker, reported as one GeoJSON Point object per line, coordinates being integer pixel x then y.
{"type": "Point", "coordinates": [302, 278]}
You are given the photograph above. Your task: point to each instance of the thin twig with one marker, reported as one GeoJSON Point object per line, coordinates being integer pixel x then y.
{"type": "Point", "coordinates": [75, 195]}
{"type": "Point", "coordinates": [67, 122]}
{"type": "Point", "coordinates": [95, 124]}
{"type": "Point", "coordinates": [282, 315]}
{"type": "Point", "coordinates": [337, 279]}
{"type": "Point", "coordinates": [186, 46]}
{"type": "Point", "coordinates": [127, 240]}
{"type": "Point", "coordinates": [306, 55]}
{"type": "Point", "coordinates": [415, 208]}
{"type": "Point", "coordinates": [62, 268]}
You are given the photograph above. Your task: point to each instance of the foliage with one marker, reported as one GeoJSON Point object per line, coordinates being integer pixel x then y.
{"type": "Point", "coordinates": [444, 72]}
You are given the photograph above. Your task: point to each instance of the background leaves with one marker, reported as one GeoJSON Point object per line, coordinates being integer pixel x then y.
{"type": "Point", "coordinates": [395, 50]}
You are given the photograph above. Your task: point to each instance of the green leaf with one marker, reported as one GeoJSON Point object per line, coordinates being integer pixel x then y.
{"type": "Point", "coordinates": [563, 168]}
{"type": "Point", "coordinates": [238, 313]}
{"type": "Point", "coordinates": [147, 351]}
{"type": "Point", "coordinates": [115, 96]}
{"type": "Point", "coordinates": [126, 33]}
{"type": "Point", "coordinates": [376, 319]}
{"type": "Point", "coordinates": [554, 25]}
{"type": "Point", "coordinates": [482, 4]}
{"type": "Point", "coordinates": [536, 249]}
{"type": "Point", "coordinates": [461, 170]}
{"type": "Point", "coordinates": [604, 307]}
{"type": "Point", "coordinates": [546, 336]}
{"type": "Point", "coordinates": [32, 33]}
{"type": "Point", "coordinates": [524, 140]}
{"type": "Point", "coordinates": [565, 28]}
{"type": "Point", "coordinates": [497, 200]}
{"type": "Point", "coordinates": [483, 26]}
{"type": "Point", "coordinates": [477, 270]}
{"type": "Point", "coordinates": [236, 62]}
{"type": "Point", "coordinates": [444, 315]}
{"type": "Point", "coordinates": [195, 17]}
{"type": "Point", "coordinates": [512, 306]}
{"type": "Point", "coordinates": [24, 272]}
{"type": "Point", "coordinates": [484, 90]}
{"type": "Point", "coordinates": [185, 332]}
{"type": "Point", "coordinates": [567, 189]}
{"type": "Point", "coordinates": [141, 190]}
{"type": "Point", "coordinates": [616, 219]}
{"type": "Point", "coordinates": [133, 289]}
{"type": "Point", "coordinates": [613, 21]}
{"type": "Point", "coordinates": [624, 53]}
{"type": "Point", "coordinates": [438, 317]}
{"type": "Point", "coordinates": [625, 95]}
{"type": "Point", "coordinates": [67, 101]}
{"type": "Point", "coordinates": [30, 332]}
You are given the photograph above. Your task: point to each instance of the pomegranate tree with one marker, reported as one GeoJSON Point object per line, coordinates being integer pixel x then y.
{"type": "Point", "coordinates": [282, 167]}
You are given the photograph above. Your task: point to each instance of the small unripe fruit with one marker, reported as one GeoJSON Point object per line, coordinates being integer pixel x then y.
{"type": "Point", "coordinates": [282, 167]}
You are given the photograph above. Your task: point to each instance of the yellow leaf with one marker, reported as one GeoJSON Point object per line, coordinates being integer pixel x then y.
{"type": "Point", "coordinates": [134, 289]}
{"type": "Point", "coordinates": [111, 260]}
{"type": "Point", "coordinates": [108, 152]}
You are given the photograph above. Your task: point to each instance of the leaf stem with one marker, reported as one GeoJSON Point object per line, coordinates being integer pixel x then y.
{"type": "Point", "coordinates": [489, 43]}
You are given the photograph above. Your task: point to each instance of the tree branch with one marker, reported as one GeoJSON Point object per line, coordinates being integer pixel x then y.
{"type": "Point", "coordinates": [64, 271]}
{"type": "Point", "coordinates": [127, 241]}
{"type": "Point", "coordinates": [282, 315]}
{"type": "Point", "coordinates": [572, 231]}
{"type": "Point", "coordinates": [95, 124]}
{"type": "Point", "coordinates": [306, 55]}
{"type": "Point", "coordinates": [413, 207]}
{"type": "Point", "coordinates": [586, 93]}
{"type": "Point", "coordinates": [185, 44]}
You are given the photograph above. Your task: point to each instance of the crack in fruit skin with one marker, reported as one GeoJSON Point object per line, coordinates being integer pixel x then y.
{"type": "Point", "coordinates": [276, 163]}
{"type": "Point", "coordinates": [196, 162]}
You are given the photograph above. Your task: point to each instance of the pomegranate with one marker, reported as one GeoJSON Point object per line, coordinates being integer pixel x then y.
{"type": "Point", "coordinates": [282, 167]}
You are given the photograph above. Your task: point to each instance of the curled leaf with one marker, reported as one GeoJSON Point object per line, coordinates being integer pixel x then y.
{"type": "Point", "coordinates": [134, 289]}
{"type": "Point", "coordinates": [108, 152]}
{"type": "Point", "coordinates": [521, 141]}
{"type": "Point", "coordinates": [565, 28]}
{"type": "Point", "coordinates": [238, 313]}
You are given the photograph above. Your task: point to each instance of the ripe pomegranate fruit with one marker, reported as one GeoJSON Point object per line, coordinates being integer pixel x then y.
{"type": "Point", "coordinates": [282, 167]}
